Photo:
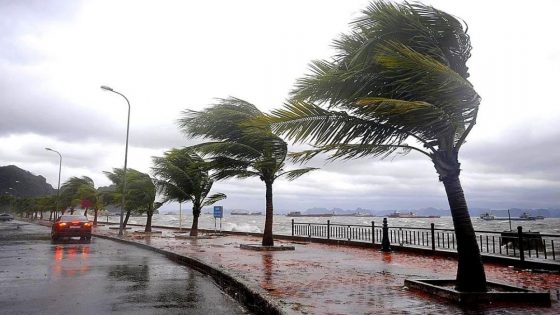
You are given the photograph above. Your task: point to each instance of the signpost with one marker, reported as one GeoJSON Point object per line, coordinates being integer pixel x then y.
{"type": "Point", "coordinates": [218, 213]}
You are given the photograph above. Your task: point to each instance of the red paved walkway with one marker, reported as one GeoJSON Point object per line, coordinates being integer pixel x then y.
{"type": "Point", "coordinates": [326, 279]}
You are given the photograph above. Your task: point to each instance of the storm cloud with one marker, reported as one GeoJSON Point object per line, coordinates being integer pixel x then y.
{"type": "Point", "coordinates": [168, 56]}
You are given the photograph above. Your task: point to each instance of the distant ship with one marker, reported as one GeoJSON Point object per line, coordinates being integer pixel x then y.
{"type": "Point", "coordinates": [411, 214]}
{"type": "Point", "coordinates": [256, 213]}
{"type": "Point", "coordinates": [487, 216]}
{"type": "Point", "coordinates": [239, 212]}
{"type": "Point", "coordinates": [523, 217]}
{"type": "Point", "coordinates": [299, 214]}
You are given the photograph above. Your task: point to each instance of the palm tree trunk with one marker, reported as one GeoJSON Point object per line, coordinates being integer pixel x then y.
{"type": "Point", "coordinates": [149, 215]}
{"type": "Point", "coordinates": [196, 214]}
{"type": "Point", "coordinates": [85, 212]}
{"type": "Point", "coordinates": [51, 216]}
{"type": "Point", "coordinates": [126, 219]}
{"type": "Point", "coordinates": [95, 216]}
{"type": "Point", "coordinates": [268, 239]}
{"type": "Point", "coordinates": [470, 272]}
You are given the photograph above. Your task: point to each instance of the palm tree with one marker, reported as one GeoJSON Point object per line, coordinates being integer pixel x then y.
{"type": "Point", "coordinates": [182, 175]}
{"type": "Point", "coordinates": [45, 203]}
{"type": "Point", "coordinates": [240, 149]}
{"type": "Point", "coordinates": [398, 83]}
{"type": "Point", "coordinates": [78, 191]}
{"type": "Point", "coordinates": [140, 193]}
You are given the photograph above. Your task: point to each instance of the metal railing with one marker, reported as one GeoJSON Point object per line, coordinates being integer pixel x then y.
{"type": "Point", "coordinates": [518, 244]}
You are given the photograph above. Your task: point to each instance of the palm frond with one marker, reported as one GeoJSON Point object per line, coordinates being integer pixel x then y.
{"type": "Point", "coordinates": [222, 174]}
{"type": "Point", "coordinates": [294, 174]}
{"type": "Point", "coordinates": [354, 151]}
{"type": "Point", "coordinates": [400, 72]}
{"type": "Point", "coordinates": [301, 121]}
{"type": "Point", "coordinates": [237, 147]}
{"type": "Point", "coordinates": [210, 200]}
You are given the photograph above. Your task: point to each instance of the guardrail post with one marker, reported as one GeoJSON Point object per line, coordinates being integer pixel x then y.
{"type": "Point", "coordinates": [385, 246]}
{"type": "Point", "coordinates": [372, 232]}
{"type": "Point", "coordinates": [292, 227]}
{"type": "Point", "coordinates": [328, 229]}
{"type": "Point", "coordinates": [432, 229]}
{"type": "Point", "coordinates": [520, 240]}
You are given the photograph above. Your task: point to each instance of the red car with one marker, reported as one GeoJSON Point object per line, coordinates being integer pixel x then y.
{"type": "Point", "coordinates": [71, 226]}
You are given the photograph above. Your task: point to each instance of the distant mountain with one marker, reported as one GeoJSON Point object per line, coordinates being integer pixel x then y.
{"type": "Point", "coordinates": [475, 212]}
{"type": "Point", "coordinates": [317, 211]}
{"type": "Point", "coordinates": [21, 183]}
{"type": "Point", "coordinates": [432, 211]}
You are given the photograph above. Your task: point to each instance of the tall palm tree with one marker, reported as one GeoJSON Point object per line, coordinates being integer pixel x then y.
{"type": "Point", "coordinates": [398, 83]}
{"type": "Point", "coordinates": [240, 149]}
{"type": "Point", "coordinates": [182, 175]}
{"type": "Point", "coordinates": [140, 193]}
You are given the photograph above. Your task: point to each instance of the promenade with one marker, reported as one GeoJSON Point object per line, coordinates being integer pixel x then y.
{"type": "Point", "coordinates": [327, 279]}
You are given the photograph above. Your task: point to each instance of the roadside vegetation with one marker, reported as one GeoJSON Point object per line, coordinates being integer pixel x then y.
{"type": "Point", "coordinates": [140, 194]}
{"type": "Point", "coordinates": [182, 175]}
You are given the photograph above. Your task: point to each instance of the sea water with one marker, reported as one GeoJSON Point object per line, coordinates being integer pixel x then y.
{"type": "Point", "coordinates": [282, 223]}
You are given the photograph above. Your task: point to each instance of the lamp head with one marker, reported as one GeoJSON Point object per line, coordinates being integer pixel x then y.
{"type": "Point", "coordinates": [48, 149]}
{"type": "Point", "coordinates": [104, 87]}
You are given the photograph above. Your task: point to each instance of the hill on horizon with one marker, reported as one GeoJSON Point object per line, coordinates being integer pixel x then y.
{"type": "Point", "coordinates": [21, 183]}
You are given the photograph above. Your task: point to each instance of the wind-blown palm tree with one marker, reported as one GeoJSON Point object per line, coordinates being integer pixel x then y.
{"type": "Point", "coordinates": [140, 193]}
{"type": "Point", "coordinates": [398, 83]}
{"type": "Point", "coordinates": [182, 175]}
{"type": "Point", "coordinates": [79, 191]}
{"type": "Point", "coordinates": [240, 149]}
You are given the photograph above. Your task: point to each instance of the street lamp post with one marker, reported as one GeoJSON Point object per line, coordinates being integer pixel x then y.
{"type": "Point", "coordinates": [106, 88]}
{"type": "Point", "coordinates": [58, 188]}
{"type": "Point", "coordinates": [14, 196]}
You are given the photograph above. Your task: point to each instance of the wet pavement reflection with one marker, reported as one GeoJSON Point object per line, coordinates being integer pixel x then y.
{"type": "Point", "coordinates": [65, 260]}
{"type": "Point", "coordinates": [72, 277]}
{"type": "Point", "coordinates": [326, 279]}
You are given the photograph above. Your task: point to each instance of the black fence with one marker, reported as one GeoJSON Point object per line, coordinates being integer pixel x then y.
{"type": "Point", "coordinates": [508, 243]}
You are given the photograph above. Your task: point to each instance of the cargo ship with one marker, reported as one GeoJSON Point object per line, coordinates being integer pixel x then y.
{"type": "Point", "coordinates": [411, 214]}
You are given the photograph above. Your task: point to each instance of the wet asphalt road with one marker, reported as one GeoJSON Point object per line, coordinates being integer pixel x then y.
{"type": "Point", "coordinates": [102, 277]}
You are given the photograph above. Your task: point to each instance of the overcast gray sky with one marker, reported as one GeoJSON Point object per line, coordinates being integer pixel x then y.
{"type": "Point", "coordinates": [167, 56]}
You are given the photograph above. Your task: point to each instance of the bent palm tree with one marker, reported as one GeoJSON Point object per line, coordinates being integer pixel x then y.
{"type": "Point", "coordinates": [398, 83]}
{"type": "Point", "coordinates": [140, 193]}
{"type": "Point", "coordinates": [182, 175]}
{"type": "Point", "coordinates": [239, 149]}
{"type": "Point", "coordinates": [79, 191]}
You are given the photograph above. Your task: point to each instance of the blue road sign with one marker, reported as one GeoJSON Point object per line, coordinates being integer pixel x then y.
{"type": "Point", "coordinates": [218, 212]}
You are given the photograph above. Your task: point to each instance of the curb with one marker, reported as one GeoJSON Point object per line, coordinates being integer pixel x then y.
{"type": "Point", "coordinates": [250, 296]}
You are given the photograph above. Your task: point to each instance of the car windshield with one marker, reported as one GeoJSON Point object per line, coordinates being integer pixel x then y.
{"type": "Point", "coordinates": [73, 218]}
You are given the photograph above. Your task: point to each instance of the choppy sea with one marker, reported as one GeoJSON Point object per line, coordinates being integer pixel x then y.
{"type": "Point", "coordinates": [282, 223]}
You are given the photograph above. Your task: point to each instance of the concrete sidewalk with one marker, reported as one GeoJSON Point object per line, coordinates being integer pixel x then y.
{"type": "Point", "coordinates": [327, 279]}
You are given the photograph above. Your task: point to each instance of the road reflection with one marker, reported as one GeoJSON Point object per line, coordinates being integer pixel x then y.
{"type": "Point", "coordinates": [268, 264]}
{"type": "Point", "coordinates": [138, 274]}
{"type": "Point", "coordinates": [70, 260]}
